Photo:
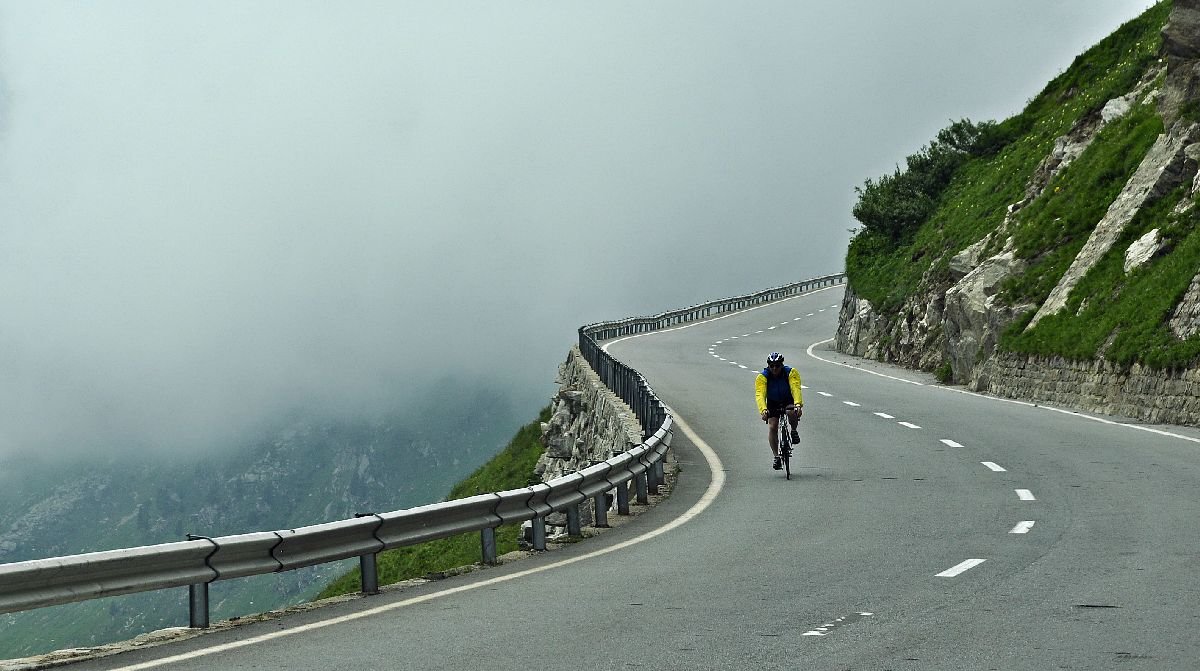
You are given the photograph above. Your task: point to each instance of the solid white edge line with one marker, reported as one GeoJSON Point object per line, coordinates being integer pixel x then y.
{"type": "Point", "coordinates": [716, 470]}
{"type": "Point", "coordinates": [1027, 404]}
{"type": "Point", "coordinates": [960, 568]}
{"type": "Point", "coordinates": [809, 351]}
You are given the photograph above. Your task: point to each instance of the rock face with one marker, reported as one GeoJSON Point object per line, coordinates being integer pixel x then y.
{"type": "Point", "coordinates": [974, 320]}
{"type": "Point", "coordinates": [1181, 45]}
{"type": "Point", "coordinates": [1185, 322]}
{"type": "Point", "coordinates": [957, 319]}
{"type": "Point", "coordinates": [1165, 167]}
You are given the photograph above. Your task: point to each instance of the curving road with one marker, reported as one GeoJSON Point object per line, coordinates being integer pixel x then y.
{"type": "Point", "coordinates": [924, 528]}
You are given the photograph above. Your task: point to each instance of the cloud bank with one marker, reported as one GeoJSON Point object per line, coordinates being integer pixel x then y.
{"type": "Point", "coordinates": [215, 213]}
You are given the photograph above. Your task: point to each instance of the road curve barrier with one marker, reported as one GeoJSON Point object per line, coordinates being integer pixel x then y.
{"type": "Point", "coordinates": [199, 561]}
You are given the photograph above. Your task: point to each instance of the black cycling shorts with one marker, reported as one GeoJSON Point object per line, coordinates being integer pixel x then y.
{"type": "Point", "coordinates": [775, 408]}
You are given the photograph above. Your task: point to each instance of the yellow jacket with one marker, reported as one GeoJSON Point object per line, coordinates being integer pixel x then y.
{"type": "Point", "coordinates": [793, 385]}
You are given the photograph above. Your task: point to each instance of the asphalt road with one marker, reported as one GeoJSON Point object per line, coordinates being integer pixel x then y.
{"type": "Point", "coordinates": [924, 528]}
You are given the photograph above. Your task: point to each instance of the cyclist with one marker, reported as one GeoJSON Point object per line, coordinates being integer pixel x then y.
{"type": "Point", "coordinates": [777, 391]}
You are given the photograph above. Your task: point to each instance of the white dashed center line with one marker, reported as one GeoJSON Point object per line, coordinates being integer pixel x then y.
{"type": "Point", "coordinates": [994, 466]}
{"type": "Point", "coordinates": [950, 443]}
{"type": "Point", "coordinates": [1025, 495]}
{"type": "Point", "coordinates": [909, 425]}
{"type": "Point", "coordinates": [884, 415]}
{"type": "Point", "coordinates": [852, 404]}
{"type": "Point", "coordinates": [1022, 527]}
{"type": "Point", "coordinates": [960, 568]}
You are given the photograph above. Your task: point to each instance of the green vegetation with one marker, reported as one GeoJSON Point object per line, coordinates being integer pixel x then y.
{"type": "Point", "coordinates": [958, 189]}
{"type": "Point", "coordinates": [1124, 317]}
{"type": "Point", "coordinates": [895, 206]}
{"type": "Point", "coordinates": [944, 373]}
{"type": "Point", "coordinates": [511, 469]}
{"type": "Point", "coordinates": [1055, 226]}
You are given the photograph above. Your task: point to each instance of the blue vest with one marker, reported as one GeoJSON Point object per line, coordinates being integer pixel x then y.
{"type": "Point", "coordinates": [779, 388]}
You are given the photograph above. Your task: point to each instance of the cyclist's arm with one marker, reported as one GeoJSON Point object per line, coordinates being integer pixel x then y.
{"type": "Point", "coordinates": [760, 393]}
{"type": "Point", "coordinates": [794, 383]}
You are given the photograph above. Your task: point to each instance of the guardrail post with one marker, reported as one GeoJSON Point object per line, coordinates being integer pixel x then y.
{"type": "Point", "coordinates": [658, 472]}
{"type": "Point", "coordinates": [198, 592]}
{"type": "Point", "coordinates": [651, 480]}
{"type": "Point", "coordinates": [198, 606]}
{"type": "Point", "coordinates": [539, 533]}
{"type": "Point", "coordinates": [573, 527]}
{"type": "Point", "coordinates": [623, 498]}
{"type": "Point", "coordinates": [601, 505]}
{"type": "Point", "coordinates": [643, 495]}
{"type": "Point", "coordinates": [368, 567]}
{"type": "Point", "coordinates": [488, 540]}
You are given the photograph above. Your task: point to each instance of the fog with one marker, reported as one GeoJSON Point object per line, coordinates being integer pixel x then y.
{"type": "Point", "coordinates": [215, 213]}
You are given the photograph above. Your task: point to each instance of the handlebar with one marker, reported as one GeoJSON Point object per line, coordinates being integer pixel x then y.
{"type": "Point", "coordinates": [786, 408]}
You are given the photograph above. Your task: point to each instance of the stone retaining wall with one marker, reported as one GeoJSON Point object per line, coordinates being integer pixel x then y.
{"type": "Point", "coordinates": [1163, 397]}
{"type": "Point", "coordinates": [588, 424]}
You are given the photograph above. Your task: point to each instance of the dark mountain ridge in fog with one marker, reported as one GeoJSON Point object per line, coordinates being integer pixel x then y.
{"type": "Point", "coordinates": [305, 472]}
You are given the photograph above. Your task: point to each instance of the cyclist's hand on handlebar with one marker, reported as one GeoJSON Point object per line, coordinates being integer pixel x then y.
{"type": "Point", "coordinates": [764, 415]}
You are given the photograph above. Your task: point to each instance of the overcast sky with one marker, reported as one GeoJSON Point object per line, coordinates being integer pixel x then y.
{"type": "Point", "coordinates": [215, 212]}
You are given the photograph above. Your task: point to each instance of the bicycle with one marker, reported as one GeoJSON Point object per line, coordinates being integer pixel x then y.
{"type": "Point", "coordinates": [785, 446]}
{"type": "Point", "coordinates": [785, 442]}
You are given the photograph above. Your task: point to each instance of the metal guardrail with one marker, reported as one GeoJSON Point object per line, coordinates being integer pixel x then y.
{"type": "Point", "coordinates": [199, 561]}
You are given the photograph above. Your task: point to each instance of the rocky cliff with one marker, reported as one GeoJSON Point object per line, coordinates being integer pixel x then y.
{"type": "Point", "coordinates": [953, 322]}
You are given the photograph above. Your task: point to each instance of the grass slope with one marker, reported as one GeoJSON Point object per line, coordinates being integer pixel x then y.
{"type": "Point", "coordinates": [1111, 314]}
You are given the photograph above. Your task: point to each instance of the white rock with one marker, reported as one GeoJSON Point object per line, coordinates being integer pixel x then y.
{"type": "Point", "coordinates": [1115, 109]}
{"type": "Point", "coordinates": [1142, 250]}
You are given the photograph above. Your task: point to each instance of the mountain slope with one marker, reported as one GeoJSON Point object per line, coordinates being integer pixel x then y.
{"type": "Point", "coordinates": [305, 472]}
{"type": "Point", "coordinates": [1064, 236]}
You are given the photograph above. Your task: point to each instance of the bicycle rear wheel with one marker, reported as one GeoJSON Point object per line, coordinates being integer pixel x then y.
{"type": "Point", "coordinates": [785, 449]}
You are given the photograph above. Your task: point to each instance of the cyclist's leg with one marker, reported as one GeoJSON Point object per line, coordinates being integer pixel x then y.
{"type": "Point", "coordinates": [793, 416]}
{"type": "Point", "coordinates": [774, 410]}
